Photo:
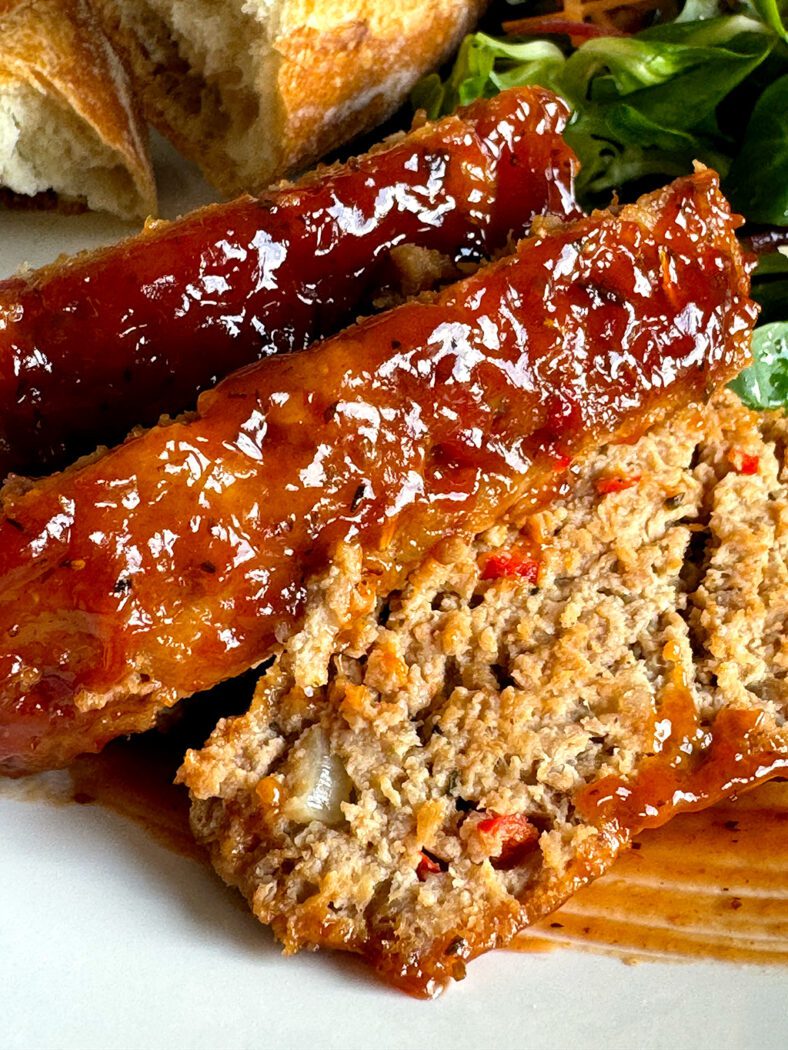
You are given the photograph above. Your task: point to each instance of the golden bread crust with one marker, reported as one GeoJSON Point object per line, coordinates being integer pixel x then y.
{"type": "Point", "coordinates": [58, 48]}
{"type": "Point", "coordinates": [346, 68]}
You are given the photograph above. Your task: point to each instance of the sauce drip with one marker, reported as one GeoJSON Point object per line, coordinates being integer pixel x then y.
{"type": "Point", "coordinates": [709, 885]}
{"type": "Point", "coordinates": [134, 778]}
{"type": "Point", "coordinates": [693, 766]}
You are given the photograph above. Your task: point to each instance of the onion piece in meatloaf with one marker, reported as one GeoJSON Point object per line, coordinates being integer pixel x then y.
{"type": "Point", "coordinates": [418, 782]}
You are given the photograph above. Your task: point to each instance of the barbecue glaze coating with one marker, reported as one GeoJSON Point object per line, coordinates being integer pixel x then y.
{"type": "Point", "coordinates": [109, 340]}
{"type": "Point", "coordinates": [181, 557]}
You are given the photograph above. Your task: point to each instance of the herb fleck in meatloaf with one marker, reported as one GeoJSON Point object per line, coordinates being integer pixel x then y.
{"type": "Point", "coordinates": [411, 780]}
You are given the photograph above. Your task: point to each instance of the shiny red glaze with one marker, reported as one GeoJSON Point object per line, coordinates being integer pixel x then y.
{"type": "Point", "coordinates": [112, 339]}
{"type": "Point", "coordinates": [697, 766]}
{"type": "Point", "coordinates": [177, 559]}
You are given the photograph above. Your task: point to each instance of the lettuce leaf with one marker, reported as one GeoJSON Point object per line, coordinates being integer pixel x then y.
{"type": "Point", "coordinates": [758, 182]}
{"type": "Point", "coordinates": [483, 67]}
{"type": "Point", "coordinates": [765, 383]}
{"type": "Point", "coordinates": [773, 13]}
{"type": "Point", "coordinates": [629, 97]}
{"type": "Point", "coordinates": [770, 285]}
{"type": "Point", "coordinates": [646, 106]}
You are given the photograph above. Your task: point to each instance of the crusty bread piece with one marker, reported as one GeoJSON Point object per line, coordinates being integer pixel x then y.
{"type": "Point", "coordinates": [68, 123]}
{"type": "Point", "coordinates": [357, 805]}
{"type": "Point", "coordinates": [254, 89]}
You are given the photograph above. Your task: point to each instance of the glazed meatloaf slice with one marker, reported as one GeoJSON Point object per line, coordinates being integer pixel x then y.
{"type": "Point", "coordinates": [182, 557]}
{"type": "Point", "coordinates": [419, 778]}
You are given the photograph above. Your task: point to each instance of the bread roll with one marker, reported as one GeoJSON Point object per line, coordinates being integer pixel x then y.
{"type": "Point", "coordinates": [255, 89]}
{"type": "Point", "coordinates": [68, 124]}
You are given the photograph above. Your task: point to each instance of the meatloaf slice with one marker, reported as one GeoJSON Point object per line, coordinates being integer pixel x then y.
{"type": "Point", "coordinates": [416, 780]}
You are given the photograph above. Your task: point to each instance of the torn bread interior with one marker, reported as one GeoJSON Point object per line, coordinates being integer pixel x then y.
{"type": "Point", "coordinates": [420, 777]}
{"type": "Point", "coordinates": [71, 131]}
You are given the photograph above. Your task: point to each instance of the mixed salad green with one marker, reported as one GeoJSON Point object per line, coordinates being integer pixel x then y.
{"type": "Point", "coordinates": [710, 84]}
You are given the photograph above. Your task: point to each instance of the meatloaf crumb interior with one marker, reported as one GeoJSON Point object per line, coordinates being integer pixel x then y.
{"type": "Point", "coordinates": [405, 782]}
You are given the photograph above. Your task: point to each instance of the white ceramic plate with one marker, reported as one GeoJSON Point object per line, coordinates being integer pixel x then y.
{"type": "Point", "coordinates": [109, 940]}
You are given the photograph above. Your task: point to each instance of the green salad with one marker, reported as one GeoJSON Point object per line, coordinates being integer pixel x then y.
{"type": "Point", "coordinates": [710, 84]}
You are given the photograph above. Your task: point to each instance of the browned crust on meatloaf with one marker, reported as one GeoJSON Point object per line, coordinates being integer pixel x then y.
{"type": "Point", "coordinates": [465, 697]}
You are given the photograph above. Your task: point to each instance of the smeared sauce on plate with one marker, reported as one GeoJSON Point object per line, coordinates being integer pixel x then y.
{"type": "Point", "coordinates": [134, 778]}
{"type": "Point", "coordinates": [709, 885]}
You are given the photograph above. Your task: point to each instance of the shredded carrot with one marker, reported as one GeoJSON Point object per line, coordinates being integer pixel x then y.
{"type": "Point", "coordinates": [548, 25]}
{"type": "Point", "coordinates": [584, 19]}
